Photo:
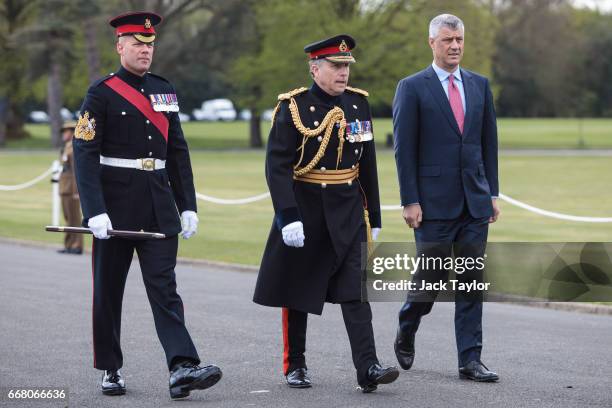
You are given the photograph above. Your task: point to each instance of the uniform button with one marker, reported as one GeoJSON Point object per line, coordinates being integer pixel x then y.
{"type": "Point", "coordinates": [149, 137]}
{"type": "Point", "coordinates": [319, 139]}
{"type": "Point", "coordinates": [148, 121]}
{"type": "Point", "coordinates": [142, 90]}
{"type": "Point", "coordinates": [353, 167]}
{"type": "Point", "coordinates": [323, 169]}
{"type": "Point", "coordinates": [356, 151]}
{"type": "Point", "coordinates": [355, 106]}
{"type": "Point", "coordinates": [350, 182]}
{"type": "Point", "coordinates": [150, 153]}
{"type": "Point", "coordinates": [112, 73]}
{"type": "Point", "coordinates": [323, 185]}
{"type": "Point", "coordinates": [123, 113]}
{"type": "Point", "coordinates": [312, 108]}
{"type": "Point", "coordinates": [316, 123]}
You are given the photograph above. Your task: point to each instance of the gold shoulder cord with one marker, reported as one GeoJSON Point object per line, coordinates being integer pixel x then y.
{"type": "Point", "coordinates": [327, 126]}
{"type": "Point", "coordinates": [358, 91]}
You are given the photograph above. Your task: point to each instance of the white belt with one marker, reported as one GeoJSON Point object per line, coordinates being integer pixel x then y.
{"type": "Point", "coordinates": [138, 164]}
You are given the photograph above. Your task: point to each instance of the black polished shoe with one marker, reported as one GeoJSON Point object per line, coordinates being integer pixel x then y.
{"type": "Point", "coordinates": [378, 375]}
{"type": "Point", "coordinates": [476, 371]}
{"type": "Point", "coordinates": [113, 383]}
{"type": "Point", "coordinates": [404, 350]}
{"type": "Point", "coordinates": [298, 378]}
{"type": "Point", "coordinates": [188, 376]}
{"type": "Point", "coordinates": [73, 251]}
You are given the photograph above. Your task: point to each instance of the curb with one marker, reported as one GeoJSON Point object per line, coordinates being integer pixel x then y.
{"type": "Point", "coordinates": [579, 307]}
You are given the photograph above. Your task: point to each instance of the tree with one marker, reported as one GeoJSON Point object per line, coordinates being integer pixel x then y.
{"type": "Point", "coordinates": [14, 14]}
{"type": "Point", "coordinates": [534, 56]}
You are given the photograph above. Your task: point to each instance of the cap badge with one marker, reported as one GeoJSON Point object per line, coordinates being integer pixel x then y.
{"type": "Point", "coordinates": [343, 47]}
{"type": "Point", "coordinates": [147, 23]}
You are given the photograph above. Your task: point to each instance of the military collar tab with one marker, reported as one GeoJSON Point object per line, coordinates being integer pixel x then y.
{"type": "Point", "coordinates": [130, 78]}
{"type": "Point", "coordinates": [324, 96]}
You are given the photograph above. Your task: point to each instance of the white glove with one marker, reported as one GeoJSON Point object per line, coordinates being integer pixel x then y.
{"type": "Point", "coordinates": [190, 223]}
{"type": "Point", "coordinates": [293, 234]}
{"type": "Point", "coordinates": [375, 232]}
{"type": "Point", "coordinates": [99, 225]}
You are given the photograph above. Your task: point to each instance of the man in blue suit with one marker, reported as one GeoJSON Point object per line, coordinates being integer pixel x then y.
{"type": "Point", "coordinates": [446, 153]}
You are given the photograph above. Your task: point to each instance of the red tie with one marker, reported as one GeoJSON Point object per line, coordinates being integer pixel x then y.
{"type": "Point", "coordinates": [455, 102]}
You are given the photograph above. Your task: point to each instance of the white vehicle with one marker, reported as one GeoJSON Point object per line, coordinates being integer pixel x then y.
{"type": "Point", "coordinates": [66, 114]}
{"type": "Point", "coordinates": [43, 117]}
{"type": "Point", "coordinates": [216, 109]}
{"type": "Point", "coordinates": [245, 114]}
{"type": "Point", "coordinates": [267, 114]}
{"type": "Point", "coordinates": [39, 117]}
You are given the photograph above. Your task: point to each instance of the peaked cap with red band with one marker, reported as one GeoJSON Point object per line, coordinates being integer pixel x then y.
{"type": "Point", "coordinates": [334, 49]}
{"type": "Point", "coordinates": [137, 23]}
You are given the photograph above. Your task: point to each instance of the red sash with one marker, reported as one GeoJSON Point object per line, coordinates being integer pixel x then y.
{"type": "Point", "coordinates": [140, 102]}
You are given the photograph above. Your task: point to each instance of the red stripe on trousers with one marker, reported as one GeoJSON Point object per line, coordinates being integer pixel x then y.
{"type": "Point", "coordinates": [285, 340]}
{"type": "Point", "coordinates": [93, 294]}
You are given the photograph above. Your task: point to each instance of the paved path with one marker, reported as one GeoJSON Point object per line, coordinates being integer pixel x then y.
{"type": "Point", "coordinates": [545, 358]}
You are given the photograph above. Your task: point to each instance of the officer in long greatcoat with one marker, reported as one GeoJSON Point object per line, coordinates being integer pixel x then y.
{"type": "Point", "coordinates": [321, 172]}
{"type": "Point", "coordinates": [133, 171]}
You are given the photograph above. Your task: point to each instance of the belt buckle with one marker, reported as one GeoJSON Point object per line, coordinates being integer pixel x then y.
{"type": "Point", "coordinates": [148, 164]}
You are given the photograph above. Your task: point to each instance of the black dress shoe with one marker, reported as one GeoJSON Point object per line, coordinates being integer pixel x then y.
{"type": "Point", "coordinates": [476, 371]}
{"type": "Point", "coordinates": [378, 375]}
{"type": "Point", "coordinates": [299, 378]}
{"type": "Point", "coordinates": [73, 251]}
{"type": "Point", "coordinates": [404, 350]}
{"type": "Point", "coordinates": [188, 376]}
{"type": "Point", "coordinates": [113, 383]}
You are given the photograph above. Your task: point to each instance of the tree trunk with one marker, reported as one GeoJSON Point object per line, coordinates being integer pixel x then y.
{"type": "Point", "coordinates": [92, 53]}
{"type": "Point", "coordinates": [255, 129]}
{"type": "Point", "coordinates": [3, 116]}
{"type": "Point", "coordinates": [54, 101]}
{"type": "Point", "coordinates": [14, 123]}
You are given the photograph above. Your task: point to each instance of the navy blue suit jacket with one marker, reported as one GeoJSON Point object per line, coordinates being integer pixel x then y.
{"type": "Point", "coordinates": [438, 167]}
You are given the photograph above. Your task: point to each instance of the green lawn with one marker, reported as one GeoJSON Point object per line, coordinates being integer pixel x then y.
{"type": "Point", "coordinates": [513, 133]}
{"type": "Point", "coordinates": [574, 185]}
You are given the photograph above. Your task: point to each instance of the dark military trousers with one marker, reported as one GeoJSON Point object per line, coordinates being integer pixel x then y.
{"type": "Point", "coordinates": [358, 322]}
{"type": "Point", "coordinates": [111, 262]}
{"type": "Point", "coordinates": [72, 214]}
{"type": "Point", "coordinates": [462, 237]}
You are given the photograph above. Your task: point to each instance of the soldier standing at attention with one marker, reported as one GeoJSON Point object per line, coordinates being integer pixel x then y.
{"type": "Point", "coordinates": [73, 243]}
{"type": "Point", "coordinates": [321, 172]}
{"type": "Point", "coordinates": [133, 171]}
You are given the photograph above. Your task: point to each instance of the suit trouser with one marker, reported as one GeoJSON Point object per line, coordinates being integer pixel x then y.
{"type": "Point", "coordinates": [72, 214]}
{"type": "Point", "coordinates": [111, 262]}
{"type": "Point", "coordinates": [462, 237]}
{"type": "Point", "coordinates": [358, 322]}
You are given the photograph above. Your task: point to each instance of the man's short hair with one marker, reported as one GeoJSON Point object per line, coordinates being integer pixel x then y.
{"type": "Point", "coordinates": [444, 20]}
{"type": "Point", "coordinates": [317, 62]}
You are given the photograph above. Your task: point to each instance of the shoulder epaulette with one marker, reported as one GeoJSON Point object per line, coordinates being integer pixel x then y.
{"type": "Point", "coordinates": [101, 80]}
{"type": "Point", "coordinates": [357, 91]}
{"type": "Point", "coordinates": [158, 76]}
{"type": "Point", "coordinates": [291, 94]}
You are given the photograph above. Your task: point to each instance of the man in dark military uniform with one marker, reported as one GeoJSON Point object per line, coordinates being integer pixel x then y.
{"type": "Point", "coordinates": [321, 171]}
{"type": "Point", "coordinates": [73, 243]}
{"type": "Point", "coordinates": [133, 171]}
